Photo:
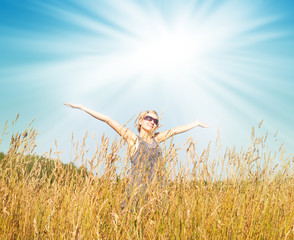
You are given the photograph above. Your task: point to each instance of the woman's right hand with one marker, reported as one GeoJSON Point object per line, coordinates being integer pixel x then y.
{"type": "Point", "coordinates": [78, 106]}
{"type": "Point", "coordinates": [201, 124]}
{"type": "Point", "coordinates": [129, 136]}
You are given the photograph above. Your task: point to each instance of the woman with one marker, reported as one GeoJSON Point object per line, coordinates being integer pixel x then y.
{"type": "Point", "coordinates": [144, 149]}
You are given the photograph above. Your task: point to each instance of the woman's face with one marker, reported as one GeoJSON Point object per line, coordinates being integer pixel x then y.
{"type": "Point", "coordinates": [150, 122]}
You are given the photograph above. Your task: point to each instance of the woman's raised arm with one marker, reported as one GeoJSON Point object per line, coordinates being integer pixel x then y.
{"type": "Point", "coordinates": [128, 135]}
{"type": "Point", "coordinates": [162, 136]}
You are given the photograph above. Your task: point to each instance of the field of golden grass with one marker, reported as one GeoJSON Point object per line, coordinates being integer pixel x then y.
{"type": "Point", "coordinates": [244, 194]}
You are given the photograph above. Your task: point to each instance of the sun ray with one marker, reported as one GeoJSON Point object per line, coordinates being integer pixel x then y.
{"type": "Point", "coordinates": [216, 58]}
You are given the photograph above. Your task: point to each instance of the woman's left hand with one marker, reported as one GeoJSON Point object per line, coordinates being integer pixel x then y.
{"type": "Point", "coordinates": [78, 106]}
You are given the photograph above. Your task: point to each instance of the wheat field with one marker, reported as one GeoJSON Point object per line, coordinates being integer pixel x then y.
{"type": "Point", "coordinates": [229, 194]}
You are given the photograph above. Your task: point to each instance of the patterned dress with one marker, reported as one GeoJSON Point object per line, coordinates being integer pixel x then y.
{"type": "Point", "coordinates": [145, 164]}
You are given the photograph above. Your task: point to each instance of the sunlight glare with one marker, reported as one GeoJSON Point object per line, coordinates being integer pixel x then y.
{"type": "Point", "coordinates": [164, 52]}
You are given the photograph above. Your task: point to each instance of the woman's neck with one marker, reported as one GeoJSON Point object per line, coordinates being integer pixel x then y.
{"type": "Point", "coordinates": [146, 136]}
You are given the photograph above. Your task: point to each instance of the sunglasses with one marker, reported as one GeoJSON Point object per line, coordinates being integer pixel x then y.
{"type": "Point", "coordinates": [148, 118]}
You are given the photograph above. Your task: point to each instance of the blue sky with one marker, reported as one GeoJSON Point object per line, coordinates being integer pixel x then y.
{"type": "Point", "coordinates": [229, 63]}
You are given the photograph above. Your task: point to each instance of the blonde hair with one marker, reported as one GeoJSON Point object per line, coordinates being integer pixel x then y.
{"type": "Point", "coordinates": [142, 115]}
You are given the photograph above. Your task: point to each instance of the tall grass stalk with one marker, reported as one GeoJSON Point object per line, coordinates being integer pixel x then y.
{"type": "Point", "coordinates": [244, 194]}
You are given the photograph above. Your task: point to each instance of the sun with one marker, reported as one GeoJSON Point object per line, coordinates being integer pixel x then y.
{"type": "Point", "coordinates": [164, 53]}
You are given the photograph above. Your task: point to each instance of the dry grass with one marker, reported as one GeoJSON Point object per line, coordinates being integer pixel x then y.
{"type": "Point", "coordinates": [246, 194]}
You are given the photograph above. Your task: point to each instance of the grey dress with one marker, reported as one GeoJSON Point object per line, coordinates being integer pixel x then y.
{"type": "Point", "coordinates": [145, 164]}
